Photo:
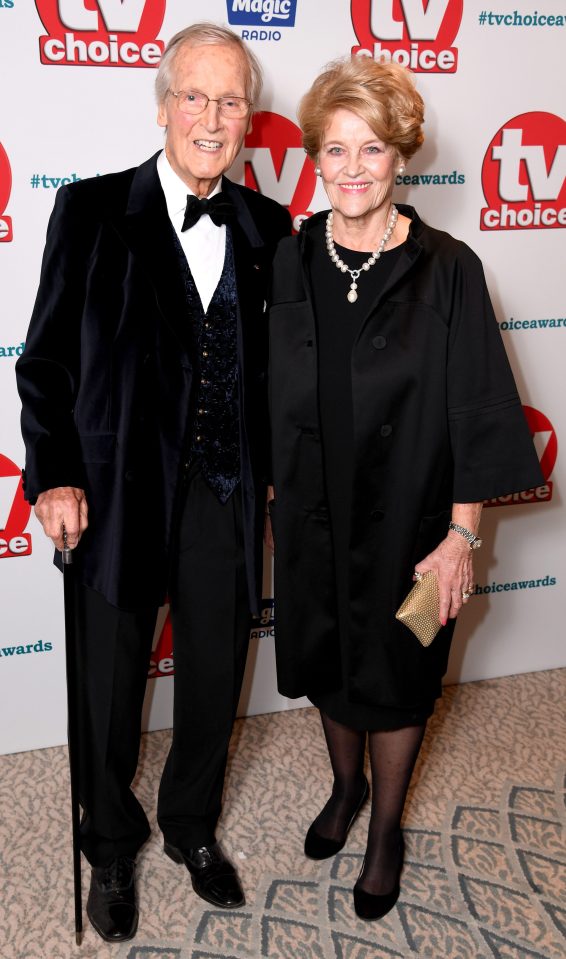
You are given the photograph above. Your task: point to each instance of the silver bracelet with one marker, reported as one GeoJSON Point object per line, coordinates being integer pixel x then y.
{"type": "Point", "coordinates": [473, 541]}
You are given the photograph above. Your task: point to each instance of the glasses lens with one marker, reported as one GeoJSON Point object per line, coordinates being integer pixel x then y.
{"type": "Point", "coordinates": [235, 107]}
{"type": "Point", "coordinates": [192, 102]}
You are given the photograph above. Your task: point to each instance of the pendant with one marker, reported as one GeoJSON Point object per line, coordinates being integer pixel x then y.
{"type": "Point", "coordinates": [352, 296]}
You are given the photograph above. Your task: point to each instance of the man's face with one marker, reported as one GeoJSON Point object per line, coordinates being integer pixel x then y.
{"type": "Point", "coordinates": [201, 148]}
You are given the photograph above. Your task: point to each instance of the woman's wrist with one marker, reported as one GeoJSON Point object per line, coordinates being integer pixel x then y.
{"type": "Point", "coordinates": [471, 539]}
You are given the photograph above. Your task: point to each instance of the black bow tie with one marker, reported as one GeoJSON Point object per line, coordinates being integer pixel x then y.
{"type": "Point", "coordinates": [219, 209]}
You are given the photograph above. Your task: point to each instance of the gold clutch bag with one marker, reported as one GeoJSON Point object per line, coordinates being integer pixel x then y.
{"type": "Point", "coordinates": [419, 610]}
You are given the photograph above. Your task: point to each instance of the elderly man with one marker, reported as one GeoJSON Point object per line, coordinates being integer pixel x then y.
{"type": "Point", "coordinates": [145, 423]}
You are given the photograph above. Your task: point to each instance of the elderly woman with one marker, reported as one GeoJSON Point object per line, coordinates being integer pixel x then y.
{"type": "Point", "coordinates": [394, 415]}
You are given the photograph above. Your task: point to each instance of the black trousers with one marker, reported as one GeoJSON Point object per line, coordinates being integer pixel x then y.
{"type": "Point", "coordinates": [211, 622]}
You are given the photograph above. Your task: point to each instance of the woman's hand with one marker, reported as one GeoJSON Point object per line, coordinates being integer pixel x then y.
{"type": "Point", "coordinates": [452, 563]}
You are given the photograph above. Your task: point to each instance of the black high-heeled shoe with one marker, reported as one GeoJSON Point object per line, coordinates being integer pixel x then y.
{"type": "Point", "coordinates": [369, 906]}
{"type": "Point", "coordinates": [319, 847]}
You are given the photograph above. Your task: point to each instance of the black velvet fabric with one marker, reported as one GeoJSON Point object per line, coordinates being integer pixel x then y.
{"type": "Point", "coordinates": [109, 371]}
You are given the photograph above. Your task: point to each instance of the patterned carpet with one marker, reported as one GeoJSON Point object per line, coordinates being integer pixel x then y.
{"type": "Point", "coordinates": [485, 872]}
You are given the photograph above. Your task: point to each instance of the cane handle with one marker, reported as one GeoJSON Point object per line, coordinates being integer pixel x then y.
{"type": "Point", "coordinates": [66, 552]}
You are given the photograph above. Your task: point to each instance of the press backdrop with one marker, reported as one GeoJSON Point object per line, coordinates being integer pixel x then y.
{"type": "Point", "coordinates": [77, 101]}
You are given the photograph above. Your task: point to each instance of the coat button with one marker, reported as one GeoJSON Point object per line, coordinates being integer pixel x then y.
{"type": "Point", "coordinates": [386, 430]}
{"type": "Point", "coordinates": [379, 342]}
{"type": "Point", "coordinates": [129, 476]}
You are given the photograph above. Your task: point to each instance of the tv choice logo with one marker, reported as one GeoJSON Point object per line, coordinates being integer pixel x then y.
{"type": "Point", "coordinates": [14, 512]}
{"type": "Point", "coordinates": [417, 35]}
{"type": "Point", "coordinates": [524, 174]}
{"type": "Point", "coordinates": [546, 445]}
{"type": "Point", "coordinates": [162, 662]}
{"type": "Point", "coordinates": [260, 13]}
{"type": "Point", "coordinates": [101, 33]}
{"type": "Point", "coordinates": [6, 234]}
{"type": "Point", "coordinates": [276, 165]}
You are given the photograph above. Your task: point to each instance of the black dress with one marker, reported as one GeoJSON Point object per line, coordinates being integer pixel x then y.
{"type": "Point", "coordinates": [338, 323]}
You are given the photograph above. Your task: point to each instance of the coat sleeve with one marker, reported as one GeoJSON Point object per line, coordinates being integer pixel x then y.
{"type": "Point", "coordinates": [492, 448]}
{"type": "Point", "coordinates": [47, 372]}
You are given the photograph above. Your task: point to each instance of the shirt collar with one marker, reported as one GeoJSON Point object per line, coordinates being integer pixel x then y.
{"type": "Point", "coordinates": [176, 190]}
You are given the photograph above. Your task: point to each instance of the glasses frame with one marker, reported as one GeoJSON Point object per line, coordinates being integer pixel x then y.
{"type": "Point", "coordinates": [208, 99]}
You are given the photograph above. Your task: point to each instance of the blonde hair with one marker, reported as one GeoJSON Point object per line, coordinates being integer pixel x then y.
{"type": "Point", "coordinates": [201, 34]}
{"type": "Point", "coordinates": [382, 94]}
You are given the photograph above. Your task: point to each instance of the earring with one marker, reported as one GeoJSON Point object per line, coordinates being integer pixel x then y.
{"type": "Point", "coordinates": [401, 170]}
{"type": "Point", "coordinates": [317, 170]}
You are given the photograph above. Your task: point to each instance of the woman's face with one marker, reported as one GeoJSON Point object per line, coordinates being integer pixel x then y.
{"type": "Point", "coordinates": [358, 170]}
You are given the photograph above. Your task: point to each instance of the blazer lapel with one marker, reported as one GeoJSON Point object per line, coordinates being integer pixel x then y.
{"type": "Point", "coordinates": [250, 254]}
{"type": "Point", "coordinates": [148, 231]}
{"type": "Point", "coordinates": [408, 258]}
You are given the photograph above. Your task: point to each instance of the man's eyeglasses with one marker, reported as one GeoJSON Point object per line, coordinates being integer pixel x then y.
{"type": "Point", "coordinates": [235, 108]}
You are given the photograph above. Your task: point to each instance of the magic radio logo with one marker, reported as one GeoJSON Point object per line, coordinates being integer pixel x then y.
{"type": "Point", "coordinates": [6, 234]}
{"type": "Point", "coordinates": [260, 13]}
{"type": "Point", "coordinates": [415, 33]}
{"type": "Point", "coordinates": [14, 512]}
{"type": "Point", "coordinates": [546, 445]}
{"type": "Point", "coordinates": [524, 174]}
{"type": "Point", "coordinates": [276, 165]}
{"type": "Point", "coordinates": [101, 33]}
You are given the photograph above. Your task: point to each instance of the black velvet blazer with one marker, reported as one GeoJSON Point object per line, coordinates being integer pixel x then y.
{"type": "Point", "coordinates": [106, 377]}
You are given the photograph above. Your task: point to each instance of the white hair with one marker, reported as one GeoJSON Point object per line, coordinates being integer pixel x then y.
{"type": "Point", "coordinates": [201, 34]}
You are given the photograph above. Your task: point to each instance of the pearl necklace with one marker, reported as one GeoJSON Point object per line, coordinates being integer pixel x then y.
{"type": "Point", "coordinates": [352, 295]}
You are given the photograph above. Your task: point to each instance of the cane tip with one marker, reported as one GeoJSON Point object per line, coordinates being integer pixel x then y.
{"type": "Point", "coordinates": [79, 937]}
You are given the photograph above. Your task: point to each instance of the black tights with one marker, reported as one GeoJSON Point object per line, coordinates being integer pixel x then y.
{"type": "Point", "coordinates": [393, 755]}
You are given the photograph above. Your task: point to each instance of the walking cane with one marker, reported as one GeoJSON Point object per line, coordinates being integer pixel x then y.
{"type": "Point", "coordinates": [72, 724]}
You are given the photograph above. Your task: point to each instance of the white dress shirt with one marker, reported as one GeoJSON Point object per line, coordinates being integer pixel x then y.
{"type": "Point", "coordinates": [204, 245]}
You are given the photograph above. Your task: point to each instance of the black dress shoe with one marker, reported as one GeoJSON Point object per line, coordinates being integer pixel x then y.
{"type": "Point", "coordinates": [112, 906]}
{"type": "Point", "coordinates": [369, 906]}
{"type": "Point", "coordinates": [212, 875]}
{"type": "Point", "coordinates": [318, 847]}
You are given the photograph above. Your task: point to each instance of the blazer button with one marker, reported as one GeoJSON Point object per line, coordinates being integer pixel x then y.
{"type": "Point", "coordinates": [386, 430]}
{"type": "Point", "coordinates": [129, 476]}
{"type": "Point", "coordinates": [379, 342]}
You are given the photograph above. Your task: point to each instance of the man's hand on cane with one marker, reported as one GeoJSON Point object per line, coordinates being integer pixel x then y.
{"type": "Point", "coordinates": [63, 508]}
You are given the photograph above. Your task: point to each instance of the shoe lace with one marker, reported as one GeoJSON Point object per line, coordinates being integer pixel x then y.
{"type": "Point", "coordinates": [118, 875]}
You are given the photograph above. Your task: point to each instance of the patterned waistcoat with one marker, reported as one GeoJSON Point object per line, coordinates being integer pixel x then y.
{"type": "Point", "coordinates": [216, 431]}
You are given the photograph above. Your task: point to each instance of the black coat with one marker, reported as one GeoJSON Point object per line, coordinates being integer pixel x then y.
{"type": "Point", "coordinates": [436, 420]}
{"type": "Point", "coordinates": [108, 372]}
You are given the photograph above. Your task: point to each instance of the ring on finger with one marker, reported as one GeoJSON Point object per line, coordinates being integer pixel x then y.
{"type": "Point", "coordinates": [465, 595]}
